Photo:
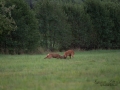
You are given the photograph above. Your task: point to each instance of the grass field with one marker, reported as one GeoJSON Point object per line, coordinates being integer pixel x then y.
{"type": "Point", "coordinates": [88, 70]}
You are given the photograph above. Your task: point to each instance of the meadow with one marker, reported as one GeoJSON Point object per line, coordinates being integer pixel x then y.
{"type": "Point", "coordinates": [88, 70]}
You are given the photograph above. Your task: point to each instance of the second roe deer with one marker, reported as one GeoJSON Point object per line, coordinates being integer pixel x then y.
{"type": "Point", "coordinates": [69, 53]}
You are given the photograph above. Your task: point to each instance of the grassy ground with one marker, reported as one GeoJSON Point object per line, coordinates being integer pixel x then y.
{"type": "Point", "coordinates": [88, 70]}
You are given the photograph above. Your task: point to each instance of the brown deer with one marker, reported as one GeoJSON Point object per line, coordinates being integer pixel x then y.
{"type": "Point", "coordinates": [53, 55]}
{"type": "Point", "coordinates": [69, 53]}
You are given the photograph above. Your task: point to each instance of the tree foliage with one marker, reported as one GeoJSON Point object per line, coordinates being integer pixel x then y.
{"type": "Point", "coordinates": [59, 24]}
{"type": "Point", "coordinates": [103, 23]}
{"type": "Point", "coordinates": [7, 23]}
{"type": "Point", "coordinates": [80, 25]}
{"type": "Point", "coordinates": [53, 27]}
{"type": "Point", "coordinates": [25, 37]}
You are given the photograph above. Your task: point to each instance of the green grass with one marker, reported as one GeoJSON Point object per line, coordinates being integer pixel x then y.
{"type": "Point", "coordinates": [88, 70]}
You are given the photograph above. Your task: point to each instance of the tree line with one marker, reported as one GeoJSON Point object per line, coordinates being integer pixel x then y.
{"type": "Point", "coordinates": [26, 25]}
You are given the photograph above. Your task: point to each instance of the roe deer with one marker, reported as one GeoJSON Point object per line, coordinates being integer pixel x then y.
{"type": "Point", "coordinates": [69, 53]}
{"type": "Point", "coordinates": [52, 55]}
